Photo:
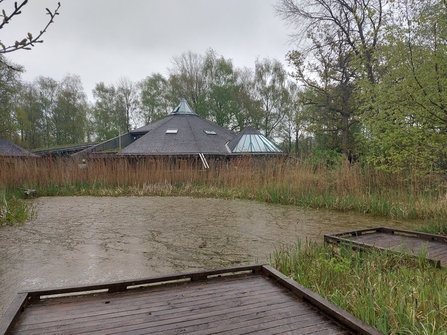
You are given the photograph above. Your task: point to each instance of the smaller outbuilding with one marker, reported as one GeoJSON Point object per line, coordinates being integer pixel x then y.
{"type": "Point", "coordinates": [10, 149]}
{"type": "Point", "coordinates": [251, 141]}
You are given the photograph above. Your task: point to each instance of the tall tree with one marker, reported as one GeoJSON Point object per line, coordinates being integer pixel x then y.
{"type": "Point", "coordinates": [69, 115]}
{"type": "Point", "coordinates": [29, 117]}
{"type": "Point", "coordinates": [248, 108]}
{"type": "Point", "coordinates": [408, 129]}
{"type": "Point", "coordinates": [155, 98]}
{"type": "Point", "coordinates": [329, 83]}
{"type": "Point", "coordinates": [9, 88]}
{"type": "Point", "coordinates": [221, 89]}
{"type": "Point", "coordinates": [356, 24]}
{"type": "Point", "coordinates": [128, 104]}
{"type": "Point", "coordinates": [271, 92]}
{"type": "Point", "coordinates": [293, 123]}
{"type": "Point", "coordinates": [187, 79]}
{"type": "Point", "coordinates": [47, 96]}
{"type": "Point", "coordinates": [339, 44]}
{"type": "Point", "coordinates": [105, 115]}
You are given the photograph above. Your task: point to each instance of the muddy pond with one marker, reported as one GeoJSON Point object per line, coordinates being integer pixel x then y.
{"type": "Point", "coordinates": [82, 240]}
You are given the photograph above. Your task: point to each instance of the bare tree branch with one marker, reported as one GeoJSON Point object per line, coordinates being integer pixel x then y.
{"type": "Point", "coordinates": [29, 40]}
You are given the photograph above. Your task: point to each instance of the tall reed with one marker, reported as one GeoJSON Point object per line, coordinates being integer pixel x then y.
{"type": "Point", "coordinates": [345, 187]}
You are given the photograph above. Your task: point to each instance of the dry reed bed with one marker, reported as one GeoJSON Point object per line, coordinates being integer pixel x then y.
{"type": "Point", "coordinates": [242, 172]}
{"type": "Point", "coordinates": [280, 180]}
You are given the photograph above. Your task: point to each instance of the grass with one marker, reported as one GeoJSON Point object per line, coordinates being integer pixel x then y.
{"type": "Point", "coordinates": [12, 208]}
{"type": "Point", "coordinates": [393, 292]}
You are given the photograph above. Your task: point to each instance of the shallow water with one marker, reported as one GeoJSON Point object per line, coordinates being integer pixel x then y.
{"type": "Point", "coordinates": [82, 240]}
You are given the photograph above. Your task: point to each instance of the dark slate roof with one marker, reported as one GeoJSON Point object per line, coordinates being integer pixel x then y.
{"type": "Point", "coordinates": [183, 108]}
{"type": "Point", "coordinates": [148, 127]}
{"type": "Point", "coordinates": [8, 148]}
{"type": "Point", "coordinates": [181, 132]}
{"type": "Point", "coordinates": [249, 140]}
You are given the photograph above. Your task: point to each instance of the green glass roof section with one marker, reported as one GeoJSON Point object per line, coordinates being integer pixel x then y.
{"type": "Point", "coordinates": [255, 143]}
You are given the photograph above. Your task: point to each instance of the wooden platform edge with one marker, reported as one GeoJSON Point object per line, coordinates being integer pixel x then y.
{"type": "Point", "coordinates": [21, 299]}
{"type": "Point", "coordinates": [336, 313]}
{"type": "Point", "coordinates": [343, 237]}
{"type": "Point", "coordinates": [387, 230]}
{"type": "Point", "coordinates": [17, 306]}
{"type": "Point", "coordinates": [124, 285]}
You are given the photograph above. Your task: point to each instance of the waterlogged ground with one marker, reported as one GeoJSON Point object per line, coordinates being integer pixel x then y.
{"type": "Point", "coordinates": [83, 240]}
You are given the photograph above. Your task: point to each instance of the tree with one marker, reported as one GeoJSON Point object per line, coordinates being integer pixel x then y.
{"type": "Point", "coordinates": [248, 108]}
{"type": "Point", "coordinates": [26, 42]}
{"type": "Point", "coordinates": [187, 79]}
{"type": "Point", "coordinates": [47, 89]}
{"type": "Point", "coordinates": [105, 115]}
{"type": "Point", "coordinates": [329, 83]}
{"type": "Point", "coordinates": [128, 104]}
{"type": "Point", "coordinates": [293, 123]}
{"type": "Point", "coordinates": [69, 115]}
{"type": "Point", "coordinates": [355, 24]}
{"type": "Point", "coordinates": [155, 98]}
{"type": "Point", "coordinates": [9, 88]}
{"type": "Point", "coordinates": [408, 129]}
{"type": "Point", "coordinates": [221, 89]}
{"type": "Point", "coordinates": [338, 57]}
{"type": "Point", "coordinates": [271, 93]}
{"type": "Point", "coordinates": [29, 117]}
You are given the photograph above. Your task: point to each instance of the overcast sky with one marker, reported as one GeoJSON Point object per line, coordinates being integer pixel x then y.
{"type": "Point", "coordinates": [103, 40]}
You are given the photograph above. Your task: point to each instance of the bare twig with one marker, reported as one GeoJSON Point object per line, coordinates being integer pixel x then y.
{"type": "Point", "coordinates": [29, 41]}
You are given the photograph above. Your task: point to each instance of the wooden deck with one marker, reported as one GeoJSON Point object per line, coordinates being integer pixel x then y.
{"type": "Point", "coordinates": [243, 300]}
{"type": "Point", "coordinates": [410, 242]}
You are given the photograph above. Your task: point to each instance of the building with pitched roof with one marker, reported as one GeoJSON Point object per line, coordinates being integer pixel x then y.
{"type": "Point", "coordinates": [249, 140]}
{"type": "Point", "coordinates": [185, 133]}
{"type": "Point", "coordinates": [182, 132]}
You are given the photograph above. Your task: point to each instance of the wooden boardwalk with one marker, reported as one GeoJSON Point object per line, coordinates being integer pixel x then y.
{"type": "Point", "coordinates": [434, 247]}
{"type": "Point", "coordinates": [244, 300]}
